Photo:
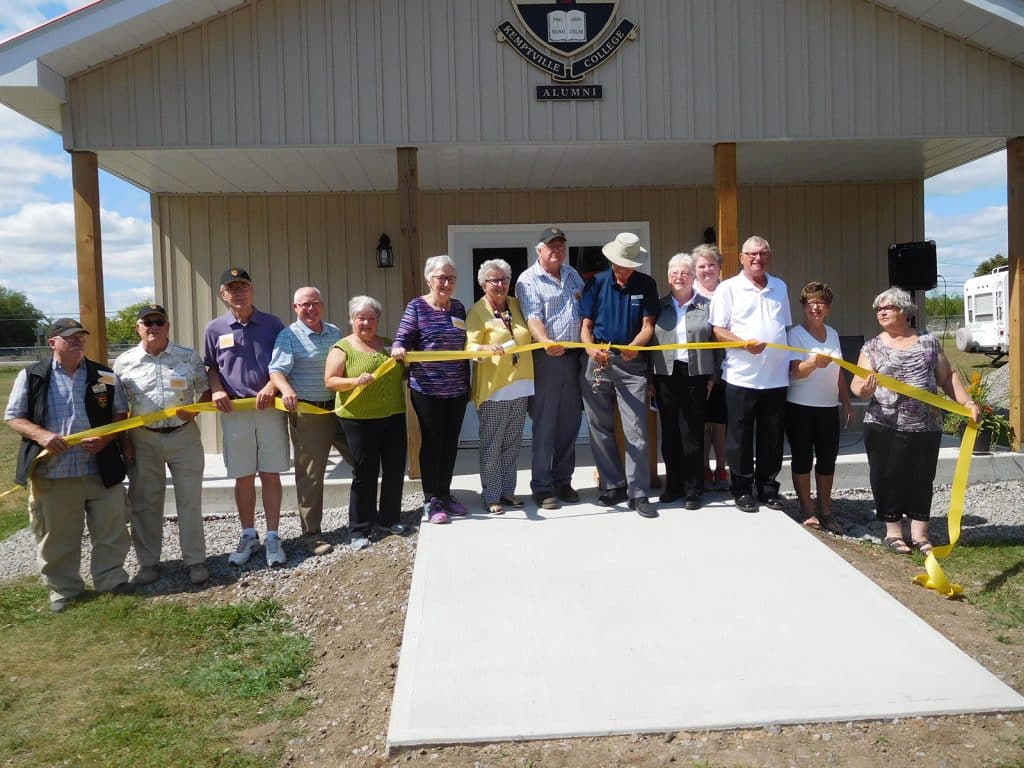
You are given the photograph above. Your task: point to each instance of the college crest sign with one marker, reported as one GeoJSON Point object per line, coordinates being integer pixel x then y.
{"type": "Point", "coordinates": [564, 38]}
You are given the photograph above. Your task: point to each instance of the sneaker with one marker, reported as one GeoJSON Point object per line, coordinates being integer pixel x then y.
{"type": "Point", "coordinates": [359, 541]}
{"type": "Point", "coordinates": [247, 545]}
{"type": "Point", "coordinates": [546, 500]}
{"type": "Point", "coordinates": [435, 511]}
{"type": "Point", "coordinates": [147, 575]}
{"type": "Point", "coordinates": [643, 507]}
{"type": "Point", "coordinates": [275, 551]}
{"type": "Point", "coordinates": [398, 528]}
{"type": "Point", "coordinates": [198, 573]}
{"type": "Point", "coordinates": [60, 604]}
{"type": "Point", "coordinates": [316, 545]}
{"type": "Point", "coordinates": [455, 507]}
{"type": "Point", "coordinates": [722, 478]}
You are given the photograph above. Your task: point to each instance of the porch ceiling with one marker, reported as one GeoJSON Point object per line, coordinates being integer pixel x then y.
{"type": "Point", "coordinates": [322, 169]}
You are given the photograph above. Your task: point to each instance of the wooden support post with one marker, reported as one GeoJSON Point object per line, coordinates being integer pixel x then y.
{"type": "Point", "coordinates": [410, 256]}
{"type": "Point", "coordinates": [88, 247]}
{"type": "Point", "coordinates": [726, 219]}
{"type": "Point", "coordinates": [1015, 237]}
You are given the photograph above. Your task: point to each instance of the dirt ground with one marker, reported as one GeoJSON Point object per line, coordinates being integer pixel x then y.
{"type": "Point", "coordinates": [354, 611]}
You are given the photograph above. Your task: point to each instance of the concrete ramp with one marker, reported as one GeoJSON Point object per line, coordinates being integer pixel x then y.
{"type": "Point", "coordinates": [589, 621]}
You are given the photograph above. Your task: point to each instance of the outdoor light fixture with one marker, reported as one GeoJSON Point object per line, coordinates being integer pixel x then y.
{"type": "Point", "coordinates": [385, 254]}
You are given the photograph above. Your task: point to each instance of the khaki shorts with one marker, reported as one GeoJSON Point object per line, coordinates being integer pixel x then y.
{"type": "Point", "coordinates": [255, 441]}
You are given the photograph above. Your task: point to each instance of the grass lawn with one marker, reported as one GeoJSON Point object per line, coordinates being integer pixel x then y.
{"type": "Point", "coordinates": [14, 506]}
{"type": "Point", "coordinates": [119, 682]}
{"type": "Point", "coordinates": [965, 359]}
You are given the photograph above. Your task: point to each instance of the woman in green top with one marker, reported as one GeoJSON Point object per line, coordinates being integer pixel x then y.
{"type": "Point", "coordinates": [374, 421]}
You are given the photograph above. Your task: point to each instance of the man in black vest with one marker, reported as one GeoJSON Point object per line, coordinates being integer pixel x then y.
{"type": "Point", "coordinates": [73, 486]}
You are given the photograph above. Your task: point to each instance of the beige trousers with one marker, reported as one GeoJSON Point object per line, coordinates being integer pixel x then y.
{"type": "Point", "coordinates": [180, 451]}
{"type": "Point", "coordinates": [59, 511]}
{"type": "Point", "coordinates": [313, 434]}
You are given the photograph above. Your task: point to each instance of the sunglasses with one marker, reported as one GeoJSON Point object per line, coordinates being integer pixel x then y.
{"type": "Point", "coordinates": [159, 322]}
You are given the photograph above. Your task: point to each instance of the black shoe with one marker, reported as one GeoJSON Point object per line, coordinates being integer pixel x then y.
{"type": "Point", "coordinates": [692, 501]}
{"type": "Point", "coordinates": [567, 494]}
{"type": "Point", "coordinates": [772, 501]}
{"type": "Point", "coordinates": [643, 507]}
{"type": "Point", "coordinates": [611, 497]}
{"type": "Point", "coordinates": [58, 605]}
{"type": "Point", "coordinates": [669, 496]}
{"type": "Point", "coordinates": [746, 503]}
{"type": "Point", "coordinates": [546, 500]}
{"type": "Point", "coordinates": [124, 588]}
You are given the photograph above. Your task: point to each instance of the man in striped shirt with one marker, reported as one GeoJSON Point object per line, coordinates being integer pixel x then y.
{"type": "Point", "coordinates": [297, 369]}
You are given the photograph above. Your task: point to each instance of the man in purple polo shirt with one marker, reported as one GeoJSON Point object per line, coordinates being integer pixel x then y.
{"type": "Point", "coordinates": [238, 348]}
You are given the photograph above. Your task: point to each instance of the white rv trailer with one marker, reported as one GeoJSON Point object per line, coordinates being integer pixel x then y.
{"type": "Point", "coordinates": [986, 325]}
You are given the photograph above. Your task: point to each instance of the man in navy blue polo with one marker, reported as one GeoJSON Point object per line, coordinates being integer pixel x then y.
{"type": "Point", "coordinates": [620, 307]}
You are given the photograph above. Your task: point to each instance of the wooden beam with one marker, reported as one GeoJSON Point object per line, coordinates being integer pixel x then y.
{"type": "Point", "coordinates": [1015, 236]}
{"type": "Point", "coordinates": [409, 255]}
{"type": "Point", "coordinates": [726, 219]}
{"type": "Point", "coordinates": [89, 250]}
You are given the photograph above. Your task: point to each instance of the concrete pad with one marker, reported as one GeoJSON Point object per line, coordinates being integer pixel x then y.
{"type": "Point", "coordinates": [589, 621]}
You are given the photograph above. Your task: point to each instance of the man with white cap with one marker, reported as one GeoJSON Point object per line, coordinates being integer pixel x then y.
{"type": "Point", "coordinates": [549, 293]}
{"type": "Point", "coordinates": [753, 307]}
{"type": "Point", "coordinates": [158, 374]}
{"type": "Point", "coordinates": [620, 307]}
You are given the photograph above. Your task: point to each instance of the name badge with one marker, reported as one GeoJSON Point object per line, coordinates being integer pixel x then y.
{"type": "Point", "coordinates": [106, 379]}
{"type": "Point", "coordinates": [226, 341]}
{"type": "Point", "coordinates": [178, 382]}
{"type": "Point", "coordinates": [99, 388]}
{"type": "Point", "coordinates": [459, 323]}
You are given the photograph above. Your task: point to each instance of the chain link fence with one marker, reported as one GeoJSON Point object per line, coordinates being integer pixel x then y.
{"type": "Point", "coordinates": [17, 356]}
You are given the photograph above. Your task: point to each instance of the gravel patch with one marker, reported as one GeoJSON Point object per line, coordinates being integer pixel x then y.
{"type": "Point", "coordinates": [992, 512]}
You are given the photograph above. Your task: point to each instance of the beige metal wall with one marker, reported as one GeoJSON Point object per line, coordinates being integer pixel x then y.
{"type": "Point", "coordinates": [389, 72]}
{"type": "Point", "coordinates": [833, 232]}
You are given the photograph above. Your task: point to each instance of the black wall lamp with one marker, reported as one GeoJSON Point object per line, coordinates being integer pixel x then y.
{"type": "Point", "coordinates": [385, 253]}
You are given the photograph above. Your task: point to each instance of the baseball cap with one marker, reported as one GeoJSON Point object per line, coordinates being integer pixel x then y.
{"type": "Point", "coordinates": [65, 327]}
{"type": "Point", "coordinates": [235, 275]}
{"type": "Point", "coordinates": [551, 233]}
{"type": "Point", "coordinates": [151, 309]}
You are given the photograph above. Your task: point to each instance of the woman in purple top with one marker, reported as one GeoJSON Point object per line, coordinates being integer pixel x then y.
{"type": "Point", "coordinates": [901, 434]}
{"type": "Point", "coordinates": [439, 391]}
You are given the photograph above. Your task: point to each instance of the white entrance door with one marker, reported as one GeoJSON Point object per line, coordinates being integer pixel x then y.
{"type": "Point", "coordinates": [471, 245]}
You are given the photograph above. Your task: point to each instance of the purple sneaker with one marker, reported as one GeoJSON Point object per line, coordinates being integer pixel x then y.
{"type": "Point", "coordinates": [434, 510]}
{"type": "Point", "coordinates": [454, 506]}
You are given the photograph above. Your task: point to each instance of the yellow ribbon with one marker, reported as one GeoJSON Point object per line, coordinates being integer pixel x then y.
{"type": "Point", "coordinates": [935, 578]}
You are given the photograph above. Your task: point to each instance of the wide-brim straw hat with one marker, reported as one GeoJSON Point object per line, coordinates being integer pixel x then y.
{"type": "Point", "coordinates": [625, 250]}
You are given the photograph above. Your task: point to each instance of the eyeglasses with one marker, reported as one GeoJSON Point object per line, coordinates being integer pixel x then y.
{"type": "Point", "coordinates": [757, 254]}
{"type": "Point", "coordinates": [159, 322]}
{"type": "Point", "coordinates": [816, 303]}
{"type": "Point", "coordinates": [446, 279]}
{"type": "Point", "coordinates": [497, 281]}
{"type": "Point", "coordinates": [77, 340]}
{"type": "Point", "coordinates": [309, 304]}
{"type": "Point", "coordinates": [687, 275]}
{"type": "Point", "coordinates": [887, 308]}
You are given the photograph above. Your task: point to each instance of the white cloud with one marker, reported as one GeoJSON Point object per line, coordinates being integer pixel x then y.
{"type": "Point", "coordinates": [15, 127]}
{"type": "Point", "coordinates": [988, 172]}
{"type": "Point", "coordinates": [39, 257]}
{"type": "Point", "coordinates": [965, 240]}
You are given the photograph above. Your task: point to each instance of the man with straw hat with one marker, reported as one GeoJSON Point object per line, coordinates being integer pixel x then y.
{"type": "Point", "coordinates": [620, 307]}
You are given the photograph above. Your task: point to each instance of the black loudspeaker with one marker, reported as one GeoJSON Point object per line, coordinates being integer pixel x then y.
{"type": "Point", "coordinates": [913, 266]}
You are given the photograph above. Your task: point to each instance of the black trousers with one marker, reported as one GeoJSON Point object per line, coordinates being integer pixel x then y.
{"type": "Point", "coordinates": [682, 404]}
{"type": "Point", "coordinates": [813, 434]}
{"type": "Point", "coordinates": [378, 449]}
{"type": "Point", "coordinates": [755, 438]}
{"type": "Point", "coordinates": [440, 422]}
{"type": "Point", "coordinates": [902, 471]}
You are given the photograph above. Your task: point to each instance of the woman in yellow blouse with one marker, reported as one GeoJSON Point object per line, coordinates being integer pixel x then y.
{"type": "Point", "coordinates": [502, 383]}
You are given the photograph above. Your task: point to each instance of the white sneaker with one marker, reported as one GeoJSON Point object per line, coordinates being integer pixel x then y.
{"type": "Point", "coordinates": [360, 542]}
{"type": "Point", "coordinates": [275, 552]}
{"type": "Point", "coordinates": [247, 545]}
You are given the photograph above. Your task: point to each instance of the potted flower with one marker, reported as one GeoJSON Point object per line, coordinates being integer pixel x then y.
{"type": "Point", "coordinates": [993, 424]}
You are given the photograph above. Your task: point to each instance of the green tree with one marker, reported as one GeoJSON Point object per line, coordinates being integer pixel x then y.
{"type": "Point", "coordinates": [944, 305]}
{"type": "Point", "coordinates": [19, 319]}
{"type": "Point", "coordinates": [121, 327]}
{"type": "Point", "coordinates": [989, 264]}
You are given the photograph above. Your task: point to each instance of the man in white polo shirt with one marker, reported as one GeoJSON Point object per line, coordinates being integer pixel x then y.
{"type": "Point", "coordinates": [753, 307]}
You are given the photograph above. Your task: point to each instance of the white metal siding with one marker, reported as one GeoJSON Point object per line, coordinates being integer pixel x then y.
{"type": "Point", "coordinates": [391, 72]}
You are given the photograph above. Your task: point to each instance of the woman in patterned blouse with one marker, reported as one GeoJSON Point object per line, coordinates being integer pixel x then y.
{"type": "Point", "coordinates": [439, 390]}
{"type": "Point", "coordinates": [901, 434]}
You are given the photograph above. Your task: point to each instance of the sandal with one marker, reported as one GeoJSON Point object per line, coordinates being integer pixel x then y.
{"type": "Point", "coordinates": [511, 501]}
{"type": "Point", "coordinates": [924, 547]}
{"type": "Point", "coordinates": [495, 509]}
{"type": "Point", "coordinates": [813, 523]}
{"type": "Point", "coordinates": [897, 545]}
{"type": "Point", "coordinates": [831, 525]}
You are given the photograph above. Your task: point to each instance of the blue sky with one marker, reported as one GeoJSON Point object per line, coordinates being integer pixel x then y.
{"type": "Point", "coordinates": [965, 210]}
